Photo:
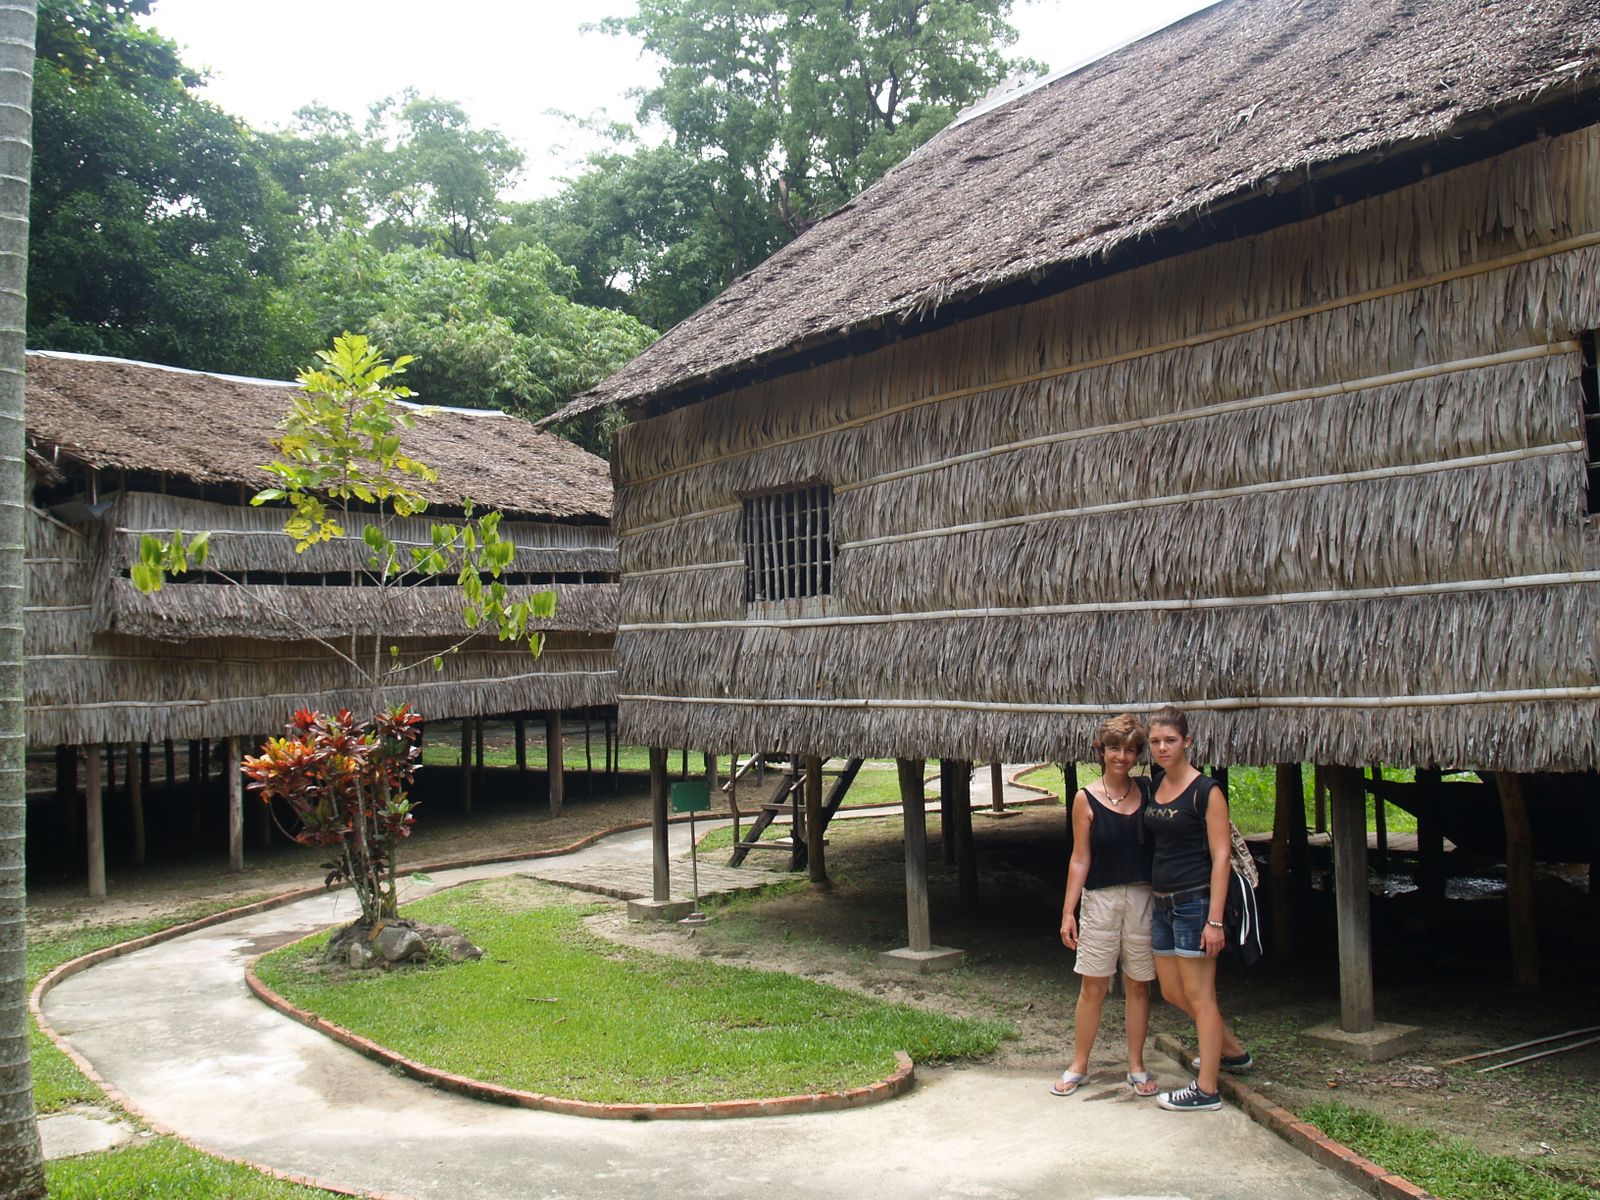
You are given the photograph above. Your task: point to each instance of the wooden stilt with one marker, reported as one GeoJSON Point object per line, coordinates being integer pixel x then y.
{"type": "Point", "coordinates": [1430, 836]}
{"type": "Point", "coordinates": [94, 820]}
{"type": "Point", "coordinates": [196, 775]}
{"type": "Point", "coordinates": [913, 807]}
{"type": "Point", "coordinates": [1380, 820]}
{"type": "Point", "coordinates": [816, 864]}
{"type": "Point", "coordinates": [136, 804]}
{"type": "Point", "coordinates": [947, 824]}
{"type": "Point", "coordinates": [1069, 792]}
{"type": "Point", "coordinates": [1348, 801]}
{"type": "Point", "coordinates": [683, 763]}
{"type": "Point", "coordinates": [997, 788]}
{"type": "Point", "coordinates": [144, 766]}
{"type": "Point", "coordinates": [1519, 881]}
{"type": "Point", "coordinates": [1289, 810]}
{"type": "Point", "coordinates": [555, 747]}
{"type": "Point", "coordinates": [520, 724]}
{"type": "Point", "coordinates": [169, 754]}
{"type": "Point", "coordinates": [961, 817]}
{"type": "Point", "coordinates": [1220, 774]}
{"type": "Point", "coordinates": [661, 887]}
{"type": "Point", "coordinates": [466, 764]}
{"type": "Point", "coordinates": [235, 804]}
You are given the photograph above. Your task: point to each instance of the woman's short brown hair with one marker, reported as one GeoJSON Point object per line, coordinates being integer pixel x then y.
{"type": "Point", "coordinates": [1125, 732]}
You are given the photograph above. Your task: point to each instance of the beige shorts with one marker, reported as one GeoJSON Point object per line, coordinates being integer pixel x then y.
{"type": "Point", "coordinates": [1114, 922]}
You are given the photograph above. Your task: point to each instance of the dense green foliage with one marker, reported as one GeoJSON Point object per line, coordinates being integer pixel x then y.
{"type": "Point", "coordinates": [539, 1012]}
{"type": "Point", "coordinates": [165, 230]}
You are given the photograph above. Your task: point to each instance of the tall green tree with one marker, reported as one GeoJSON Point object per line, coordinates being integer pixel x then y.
{"type": "Point", "coordinates": [21, 1162]}
{"type": "Point", "coordinates": [779, 111]}
{"type": "Point", "coordinates": [157, 233]}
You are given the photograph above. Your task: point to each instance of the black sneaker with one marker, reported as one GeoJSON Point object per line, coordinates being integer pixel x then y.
{"type": "Point", "coordinates": [1190, 1099]}
{"type": "Point", "coordinates": [1237, 1064]}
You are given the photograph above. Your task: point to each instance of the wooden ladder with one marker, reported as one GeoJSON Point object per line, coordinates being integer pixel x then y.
{"type": "Point", "coordinates": [790, 799]}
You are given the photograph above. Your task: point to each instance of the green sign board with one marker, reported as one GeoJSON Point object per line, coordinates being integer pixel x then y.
{"type": "Point", "coordinates": [691, 797]}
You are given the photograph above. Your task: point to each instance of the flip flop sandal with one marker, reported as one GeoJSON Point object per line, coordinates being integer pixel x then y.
{"type": "Point", "coordinates": [1069, 1082]}
{"type": "Point", "coordinates": [1143, 1083]}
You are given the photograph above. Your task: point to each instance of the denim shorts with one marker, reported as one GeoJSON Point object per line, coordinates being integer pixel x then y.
{"type": "Point", "coordinates": [1177, 921]}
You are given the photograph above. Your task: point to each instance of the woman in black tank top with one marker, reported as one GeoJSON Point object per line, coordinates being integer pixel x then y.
{"type": "Point", "coordinates": [1188, 820]}
{"type": "Point", "coordinates": [1110, 874]}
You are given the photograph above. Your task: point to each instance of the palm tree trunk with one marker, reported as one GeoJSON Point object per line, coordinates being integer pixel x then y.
{"type": "Point", "coordinates": [21, 1162]}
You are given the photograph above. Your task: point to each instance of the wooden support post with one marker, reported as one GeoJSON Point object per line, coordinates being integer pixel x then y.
{"type": "Point", "coordinates": [520, 724]}
{"type": "Point", "coordinates": [144, 766]}
{"type": "Point", "coordinates": [661, 889]}
{"type": "Point", "coordinates": [1524, 924]}
{"type": "Point", "coordinates": [683, 763]}
{"type": "Point", "coordinates": [1430, 835]}
{"type": "Point", "coordinates": [235, 805]}
{"type": "Point", "coordinates": [136, 804]}
{"type": "Point", "coordinates": [1380, 820]}
{"type": "Point", "coordinates": [919, 930]}
{"type": "Point", "coordinates": [612, 764]}
{"type": "Point", "coordinates": [466, 764]}
{"type": "Point", "coordinates": [94, 820]}
{"type": "Point", "coordinates": [947, 823]}
{"type": "Point", "coordinates": [711, 774]}
{"type": "Point", "coordinates": [961, 816]}
{"type": "Point", "coordinates": [997, 788]}
{"type": "Point", "coordinates": [1220, 774]}
{"type": "Point", "coordinates": [169, 753]}
{"type": "Point", "coordinates": [1348, 801]}
{"type": "Point", "coordinates": [815, 862]}
{"type": "Point", "coordinates": [1069, 792]}
{"type": "Point", "coordinates": [196, 775]}
{"type": "Point", "coordinates": [555, 761]}
{"type": "Point", "coordinates": [1289, 811]}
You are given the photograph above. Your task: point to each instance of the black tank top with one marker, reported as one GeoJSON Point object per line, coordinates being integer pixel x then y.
{"type": "Point", "coordinates": [1178, 828]}
{"type": "Point", "coordinates": [1119, 850]}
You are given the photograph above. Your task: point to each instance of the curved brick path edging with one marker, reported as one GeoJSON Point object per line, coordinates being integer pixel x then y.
{"type": "Point", "coordinates": [897, 1083]}
{"type": "Point", "coordinates": [1303, 1135]}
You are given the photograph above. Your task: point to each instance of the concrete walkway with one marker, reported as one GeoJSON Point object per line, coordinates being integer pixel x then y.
{"type": "Point", "coordinates": [173, 1028]}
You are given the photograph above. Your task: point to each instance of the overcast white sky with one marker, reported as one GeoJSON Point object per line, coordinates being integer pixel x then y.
{"type": "Point", "coordinates": [509, 63]}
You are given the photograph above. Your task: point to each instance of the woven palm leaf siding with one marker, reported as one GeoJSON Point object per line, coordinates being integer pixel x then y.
{"type": "Point", "coordinates": [245, 538]}
{"type": "Point", "coordinates": [1540, 195]}
{"type": "Point", "coordinates": [176, 613]}
{"type": "Point", "coordinates": [118, 690]}
{"type": "Point", "coordinates": [1343, 525]}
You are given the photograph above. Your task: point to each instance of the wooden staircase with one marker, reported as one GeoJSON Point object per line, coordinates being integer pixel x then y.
{"type": "Point", "coordinates": [790, 799]}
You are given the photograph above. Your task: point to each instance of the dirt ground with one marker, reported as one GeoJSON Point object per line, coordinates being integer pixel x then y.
{"type": "Point", "coordinates": [1442, 970]}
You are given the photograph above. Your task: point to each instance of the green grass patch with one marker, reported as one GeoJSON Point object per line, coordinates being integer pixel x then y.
{"type": "Point", "coordinates": [552, 1008]}
{"type": "Point", "coordinates": [1252, 793]}
{"type": "Point", "coordinates": [1449, 1167]}
{"type": "Point", "coordinates": [164, 1169]}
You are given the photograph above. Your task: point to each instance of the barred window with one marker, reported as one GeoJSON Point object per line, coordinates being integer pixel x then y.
{"type": "Point", "coordinates": [1591, 420]}
{"type": "Point", "coordinates": [788, 544]}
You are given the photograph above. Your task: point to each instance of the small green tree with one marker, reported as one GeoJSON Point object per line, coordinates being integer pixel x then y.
{"type": "Point", "coordinates": [342, 463]}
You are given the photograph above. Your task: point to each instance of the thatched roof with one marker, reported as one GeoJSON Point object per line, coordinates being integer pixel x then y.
{"type": "Point", "coordinates": [112, 414]}
{"type": "Point", "coordinates": [1245, 98]}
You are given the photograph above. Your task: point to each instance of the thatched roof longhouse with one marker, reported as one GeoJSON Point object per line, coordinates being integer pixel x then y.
{"type": "Point", "coordinates": [121, 449]}
{"type": "Point", "coordinates": [1248, 98]}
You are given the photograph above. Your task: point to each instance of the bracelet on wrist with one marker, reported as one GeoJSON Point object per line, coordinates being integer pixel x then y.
{"type": "Point", "coordinates": [1216, 925]}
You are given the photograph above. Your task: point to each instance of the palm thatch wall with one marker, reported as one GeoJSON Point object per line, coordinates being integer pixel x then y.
{"type": "Point", "coordinates": [1324, 485]}
{"type": "Point", "coordinates": [233, 648]}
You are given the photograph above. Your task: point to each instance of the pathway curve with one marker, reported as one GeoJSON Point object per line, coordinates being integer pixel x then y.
{"type": "Point", "coordinates": [173, 1028]}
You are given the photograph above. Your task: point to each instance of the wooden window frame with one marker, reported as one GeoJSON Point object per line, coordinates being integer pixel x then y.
{"type": "Point", "coordinates": [788, 544]}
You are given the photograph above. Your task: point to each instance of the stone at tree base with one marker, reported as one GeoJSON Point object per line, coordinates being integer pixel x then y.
{"type": "Point", "coordinates": [398, 944]}
{"type": "Point", "coordinates": [460, 949]}
{"type": "Point", "coordinates": [359, 956]}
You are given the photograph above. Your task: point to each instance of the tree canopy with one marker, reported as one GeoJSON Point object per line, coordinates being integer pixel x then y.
{"type": "Point", "coordinates": [166, 230]}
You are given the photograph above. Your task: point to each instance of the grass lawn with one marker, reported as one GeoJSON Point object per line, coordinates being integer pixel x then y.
{"type": "Point", "coordinates": [552, 1008]}
{"type": "Point", "coordinates": [1446, 1166]}
{"type": "Point", "coordinates": [1251, 792]}
{"type": "Point", "coordinates": [151, 1166]}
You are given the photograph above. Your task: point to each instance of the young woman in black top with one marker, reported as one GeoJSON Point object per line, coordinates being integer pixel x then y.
{"type": "Point", "coordinates": [1110, 874]}
{"type": "Point", "coordinates": [1188, 821]}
